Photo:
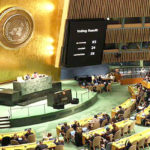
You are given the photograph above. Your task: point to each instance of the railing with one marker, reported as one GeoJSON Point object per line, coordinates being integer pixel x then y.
{"type": "Point", "coordinates": [134, 72]}
{"type": "Point", "coordinates": [40, 109]}
{"type": "Point", "coordinates": [141, 75]}
{"type": "Point", "coordinates": [126, 56]}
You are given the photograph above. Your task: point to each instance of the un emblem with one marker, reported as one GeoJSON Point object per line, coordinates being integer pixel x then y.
{"type": "Point", "coordinates": [16, 28]}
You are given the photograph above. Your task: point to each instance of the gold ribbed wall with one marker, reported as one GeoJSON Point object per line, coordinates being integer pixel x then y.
{"type": "Point", "coordinates": [37, 54]}
{"type": "Point", "coordinates": [108, 8]}
{"type": "Point", "coordinates": [117, 33]}
{"type": "Point", "coordinates": [127, 35]}
{"type": "Point", "coordinates": [88, 9]}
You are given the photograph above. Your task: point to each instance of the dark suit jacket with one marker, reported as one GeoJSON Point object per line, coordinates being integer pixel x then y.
{"type": "Point", "coordinates": [40, 147]}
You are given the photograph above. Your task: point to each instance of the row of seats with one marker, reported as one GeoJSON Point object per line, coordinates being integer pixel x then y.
{"type": "Point", "coordinates": [99, 88]}
{"type": "Point", "coordinates": [23, 137]}
{"type": "Point", "coordinates": [124, 127]}
{"type": "Point", "coordinates": [85, 123]}
{"type": "Point", "coordinates": [128, 106]}
{"type": "Point", "coordinates": [137, 141]}
{"type": "Point", "coordinates": [11, 141]}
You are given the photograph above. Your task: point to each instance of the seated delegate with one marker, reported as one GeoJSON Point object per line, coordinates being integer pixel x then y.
{"type": "Point", "coordinates": [121, 110]}
{"type": "Point", "coordinates": [127, 145]}
{"type": "Point", "coordinates": [114, 128]}
{"type": "Point", "coordinates": [147, 119]}
{"type": "Point", "coordinates": [41, 146]}
{"type": "Point", "coordinates": [23, 139]}
{"type": "Point", "coordinates": [64, 129]}
{"type": "Point", "coordinates": [48, 137]}
{"type": "Point", "coordinates": [29, 132]}
{"type": "Point", "coordinates": [75, 125]}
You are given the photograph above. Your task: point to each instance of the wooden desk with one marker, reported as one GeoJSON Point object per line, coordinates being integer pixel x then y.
{"type": "Point", "coordinates": [50, 144]}
{"type": "Point", "coordinates": [101, 131]}
{"type": "Point", "coordinates": [142, 115]}
{"type": "Point", "coordinates": [146, 84]}
{"type": "Point", "coordinates": [133, 91]}
{"type": "Point", "coordinates": [128, 103]}
{"type": "Point", "coordinates": [20, 133]}
{"type": "Point", "coordinates": [136, 137]}
{"type": "Point", "coordinates": [128, 81]}
{"type": "Point", "coordinates": [82, 123]}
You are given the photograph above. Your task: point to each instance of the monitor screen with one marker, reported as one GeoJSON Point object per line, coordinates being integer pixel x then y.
{"type": "Point", "coordinates": [63, 97]}
{"type": "Point", "coordinates": [84, 42]}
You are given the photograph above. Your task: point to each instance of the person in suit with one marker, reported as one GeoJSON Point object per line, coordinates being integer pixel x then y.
{"type": "Point", "coordinates": [147, 119]}
{"type": "Point", "coordinates": [15, 137]}
{"type": "Point", "coordinates": [48, 137]}
{"type": "Point", "coordinates": [119, 117]}
{"type": "Point", "coordinates": [41, 146]}
{"type": "Point", "coordinates": [121, 110]}
{"type": "Point", "coordinates": [102, 119]}
{"type": "Point", "coordinates": [27, 77]}
{"type": "Point", "coordinates": [95, 119]}
{"type": "Point", "coordinates": [107, 117]}
{"type": "Point", "coordinates": [115, 128]}
{"type": "Point", "coordinates": [106, 135]}
{"type": "Point", "coordinates": [22, 140]}
{"type": "Point", "coordinates": [5, 141]}
{"type": "Point", "coordinates": [78, 137]}
{"type": "Point", "coordinates": [64, 129]}
{"type": "Point", "coordinates": [35, 75]}
{"type": "Point", "coordinates": [29, 132]}
{"type": "Point", "coordinates": [105, 86]}
{"type": "Point", "coordinates": [127, 145]}
{"type": "Point", "coordinates": [75, 125]}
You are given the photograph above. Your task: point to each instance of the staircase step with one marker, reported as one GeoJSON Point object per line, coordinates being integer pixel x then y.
{"type": "Point", "coordinates": [5, 126]}
{"type": "Point", "coordinates": [4, 117]}
{"type": "Point", "coordinates": [1, 124]}
{"type": "Point", "coordinates": [4, 120]}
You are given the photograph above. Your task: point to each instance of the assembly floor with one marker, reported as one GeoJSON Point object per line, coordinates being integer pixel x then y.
{"type": "Point", "coordinates": [106, 101]}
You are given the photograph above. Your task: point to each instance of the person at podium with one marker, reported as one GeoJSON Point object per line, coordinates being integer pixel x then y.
{"type": "Point", "coordinates": [35, 75]}
{"type": "Point", "coordinates": [27, 77]}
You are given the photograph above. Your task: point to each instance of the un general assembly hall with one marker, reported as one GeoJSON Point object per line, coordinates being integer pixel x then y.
{"type": "Point", "coordinates": [74, 74]}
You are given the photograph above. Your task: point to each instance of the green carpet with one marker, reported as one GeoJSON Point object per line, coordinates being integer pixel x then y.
{"type": "Point", "coordinates": [106, 101]}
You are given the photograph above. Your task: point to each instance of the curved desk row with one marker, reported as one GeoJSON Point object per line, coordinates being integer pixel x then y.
{"type": "Point", "coordinates": [101, 131]}
{"type": "Point", "coordinates": [82, 123]}
{"type": "Point", "coordinates": [133, 91]}
{"type": "Point", "coordinates": [20, 133]}
{"type": "Point", "coordinates": [130, 103]}
{"type": "Point", "coordinates": [50, 144]}
{"type": "Point", "coordinates": [146, 84]}
{"type": "Point", "coordinates": [141, 115]}
{"type": "Point", "coordinates": [134, 138]}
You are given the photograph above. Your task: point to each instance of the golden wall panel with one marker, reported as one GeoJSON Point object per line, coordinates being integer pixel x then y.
{"type": "Point", "coordinates": [40, 52]}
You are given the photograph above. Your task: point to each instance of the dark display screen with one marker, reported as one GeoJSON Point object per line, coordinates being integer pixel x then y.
{"type": "Point", "coordinates": [84, 42]}
{"type": "Point", "coordinates": [63, 97]}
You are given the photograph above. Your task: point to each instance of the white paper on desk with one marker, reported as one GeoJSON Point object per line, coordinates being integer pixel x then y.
{"type": "Point", "coordinates": [132, 100]}
{"type": "Point", "coordinates": [140, 107]}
